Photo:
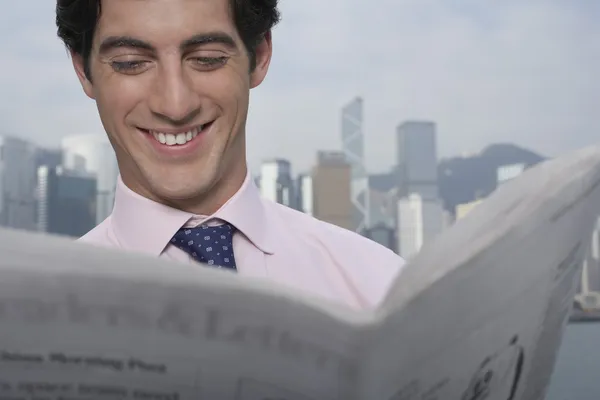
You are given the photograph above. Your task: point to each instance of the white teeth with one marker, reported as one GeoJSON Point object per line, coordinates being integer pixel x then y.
{"type": "Point", "coordinates": [171, 139]}
{"type": "Point", "coordinates": [181, 138]}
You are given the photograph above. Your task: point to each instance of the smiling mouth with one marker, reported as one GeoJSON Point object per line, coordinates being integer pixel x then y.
{"type": "Point", "coordinates": [176, 138]}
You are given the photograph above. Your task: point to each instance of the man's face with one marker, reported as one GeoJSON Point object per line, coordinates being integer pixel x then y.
{"type": "Point", "coordinates": [171, 80]}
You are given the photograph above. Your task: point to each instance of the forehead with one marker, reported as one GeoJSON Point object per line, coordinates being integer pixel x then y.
{"type": "Point", "coordinates": [164, 21]}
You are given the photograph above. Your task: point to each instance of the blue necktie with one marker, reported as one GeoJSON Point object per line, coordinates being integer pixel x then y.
{"type": "Point", "coordinates": [212, 245]}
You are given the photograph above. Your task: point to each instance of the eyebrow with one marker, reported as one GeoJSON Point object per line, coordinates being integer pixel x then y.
{"type": "Point", "coordinates": [208, 38]}
{"type": "Point", "coordinates": [115, 42]}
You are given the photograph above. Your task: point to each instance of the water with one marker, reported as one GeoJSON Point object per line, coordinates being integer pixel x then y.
{"type": "Point", "coordinates": [577, 372]}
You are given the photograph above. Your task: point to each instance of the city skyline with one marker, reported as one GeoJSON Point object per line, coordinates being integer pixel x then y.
{"type": "Point", "coordinates": [512, 72]}
{"type": "Point", "coordinates": [70, 201]}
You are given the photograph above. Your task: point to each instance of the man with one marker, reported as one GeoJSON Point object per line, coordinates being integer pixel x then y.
{"type": "Point", "coordinates": [171, 79]}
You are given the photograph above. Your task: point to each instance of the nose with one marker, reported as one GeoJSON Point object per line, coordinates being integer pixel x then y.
{"type": "Point", "coordinates": [173, 97]}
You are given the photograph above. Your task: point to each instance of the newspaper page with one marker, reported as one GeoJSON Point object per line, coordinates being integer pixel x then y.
{"type": "Point", "coordinates": [463, 319]}
{"type": "Point", "coordinates": [81, 323]}
{"type": "Point", "coordinates": [488, 302]}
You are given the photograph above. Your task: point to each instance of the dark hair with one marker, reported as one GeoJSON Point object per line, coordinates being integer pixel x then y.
{"type": "Point", "coordinates": [76, 21]}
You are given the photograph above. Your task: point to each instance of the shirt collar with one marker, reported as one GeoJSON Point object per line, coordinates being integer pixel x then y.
{"type": "Point", "coordinates": [143, 225]}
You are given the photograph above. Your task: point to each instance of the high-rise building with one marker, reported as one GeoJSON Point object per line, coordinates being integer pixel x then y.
{"type": "Point", "coordinates": [331, 185]}
{"type": "Point", "coordinates": [354, 150]}
{"type": "Point", "coordinates": [276, 183]}
{"type": "Point", "coordinates": [49, 157]}
{"type": "Point", "coordinates": [66, 201]}
{"type": "Point", "coordinates": [383, 204]}
{"type": "Point", "coordinates": [93, 154]}
{"type": "Point", "coordinates": [420, 213]}
{"type": "Point", "coordinates": [17, 184]}
{"type": "Point", "coordinates": [383, 199]}
{"type": "Point", "coordinates": [417, 159]}
{"type": "Point", "coordinates": [305, 194]}
{"type": "Point", "coordinates": [590, 277]}
{"type": "Point", "coordinates": [384, 235]}
{"type": "Point", "coordinates": [506, 173]}
{"type": "Point", "coordinates": [420, 219]}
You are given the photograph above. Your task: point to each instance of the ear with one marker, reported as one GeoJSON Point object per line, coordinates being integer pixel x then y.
{"type": "Point", "coordinates": [264, 51]}
{"type": "Point", "coordinates": [79, 66]}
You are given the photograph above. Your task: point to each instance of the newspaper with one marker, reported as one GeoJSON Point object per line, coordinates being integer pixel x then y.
{"type": "Point", "coordinates": [478, 314]}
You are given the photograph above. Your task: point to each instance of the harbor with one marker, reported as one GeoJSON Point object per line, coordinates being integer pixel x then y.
{"type": "Point", "coordinates": [580, 316]}
{"type": "Point", "coordinates": [586, 306]}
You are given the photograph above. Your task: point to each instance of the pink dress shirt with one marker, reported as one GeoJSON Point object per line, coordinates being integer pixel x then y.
{"type": "Point", "coordinates": [272, 241]}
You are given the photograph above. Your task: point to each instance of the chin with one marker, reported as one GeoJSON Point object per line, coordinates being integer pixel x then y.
{"type": "Point", "coordinates": [185, 183]}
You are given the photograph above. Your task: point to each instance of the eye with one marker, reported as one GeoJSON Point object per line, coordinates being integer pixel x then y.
{"type": "Point", "coordinates": [129, 67]}
{"type": "Point", "coordinates": [209, 63]}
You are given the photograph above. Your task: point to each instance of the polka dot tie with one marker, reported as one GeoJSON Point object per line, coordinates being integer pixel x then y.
{"type": "Point", "coordinates": [212, 245]}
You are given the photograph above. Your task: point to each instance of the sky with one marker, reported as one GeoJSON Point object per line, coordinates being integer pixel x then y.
{"type": "Point", "coordinates": [525, 72]}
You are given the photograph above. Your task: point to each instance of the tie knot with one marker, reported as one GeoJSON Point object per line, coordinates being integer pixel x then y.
{"type": "Point", "coordinates": [224, 230]}
{"type": "Point", "coordinates": [208, 244]}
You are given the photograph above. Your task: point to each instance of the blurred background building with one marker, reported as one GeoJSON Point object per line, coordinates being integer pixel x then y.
{"type": "Point", "coordinates": [17, 183]}
{"type": "Point", "coordinates": [64, 191]}
{"type": "Point", "coordinates": [304, 194]}
{"type": "Point", "coordinates": [332, 190]}
{"type": "Point", "coordinates": [93, 154]}
{"type": "Point", "coordinates": [353, 146]}
{"type": "Point", "coordinates": [276, 183]}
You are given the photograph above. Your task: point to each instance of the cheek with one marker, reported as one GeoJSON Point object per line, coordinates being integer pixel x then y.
{"type": "Point", "coordinates": [115, 102]}
{"type": "Point", "coordinates": [108, 110]}
{"type": "Point", "coordinates": [228, 88]}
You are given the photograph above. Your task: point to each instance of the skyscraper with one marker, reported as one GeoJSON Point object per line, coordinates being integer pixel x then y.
{"type": "Point", "coordinates": [590, 277]}
{"type": "Point", "coordinates": [276, 183]}
{"type": "Point", "coordinates": [420, 212]}
{"type": "Point", "coordinates": [417, 158]}
{"type": "Point", "coordinates": [506, 173]}
{"type": "Point", "coordinates": [419, 220]}
{"type": "Point", "coordinates": [66, 201]}
{"type": "Point", "coordinates": [17, 184]}
{"type": "Point", "coordinates": [383, 198]}
{"type": "Point", "coordinates": [354, 149]}
{"type": "Point", "coordinates": [384, 235]}
{"type": "Point", "coordinates": [305, 194]}
{"type": "Point", "coordinates": [93, 154]}
{"type": "Point", "coordinates": [48, 157]}
{"type": "Point", "coordinates": [383, 204]}
{"type": "Point", "coordinates": [331, 185]}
